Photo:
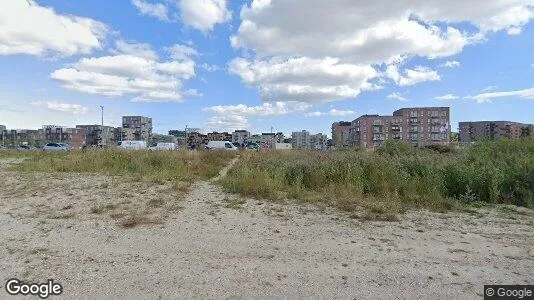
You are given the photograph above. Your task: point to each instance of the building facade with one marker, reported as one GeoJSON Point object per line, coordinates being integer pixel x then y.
{"type": "Point", "coordinates": [341, 134]}
{"type": "Point", "coordinates": [491, 130]}
{"type": "Point", "coordinates": [370, 131]}
{"type": "Point", "coordinates": [319, 141]}
{"type": "Point", "coordinates": [240, 136]}
{"type": "Point", "coordinates": [300, 140]}
{"type": "Point", "coordinates": [422, 126]}
{"type": "Point", "coordinates": [99, 136]}
{"type": "Point", "coordinates": [139, 128]}
{"type": "Point", "coordinates": [219, 136]}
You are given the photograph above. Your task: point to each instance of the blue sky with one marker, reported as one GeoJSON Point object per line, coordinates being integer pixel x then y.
{"type": "Point", "coordinates": [290, 65]}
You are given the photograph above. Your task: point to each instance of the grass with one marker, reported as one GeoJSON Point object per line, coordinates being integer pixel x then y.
{"type": "Point", "coordinates": [157, 167]}
{"type": "Point", "coordinates": [392, 179]}
{"type": "Point", "coordinates": [104, 208]}
{"type": "Point", "coordinates": [160, 178]}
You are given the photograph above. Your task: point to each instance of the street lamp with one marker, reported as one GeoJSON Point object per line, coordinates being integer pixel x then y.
{"type": "Point", "coordinates": [102, 128]}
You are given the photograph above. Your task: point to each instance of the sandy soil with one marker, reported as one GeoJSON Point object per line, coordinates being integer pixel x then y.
{"type": "Point", "coordinates": [208, 244]}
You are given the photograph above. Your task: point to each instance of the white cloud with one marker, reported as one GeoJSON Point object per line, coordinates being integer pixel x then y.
{"type": "Point", "coordinates": [489, 88]}
{"type": "Point", "coordinates": [333, 112]}
{"type": "Point", "coordinates": [75, 109]}
{"type": "Point", "coordinates": [231, 117]}
{"type": "Point", "coordinates": [179, 52]}
{"type": "Point", "coordinates": [366, 34]}
{"type": "Point", "coordinates": [210, 68]}
{"type": "Point", "coordinates": [28, 28]}
{"type": "Point", "coordinates": [397, 96]}
{"type": "Point", "coordinates": [487, 97]}
{"type": "Point", "coordinates": [450, 64]}
{"type": "Point", "coordinates": [157, 10]}
{"type": "Point", "coordinates": [411, 76]}
{"type": "Point", "coordinates": [447, 97]}
{"type": "Point", "coordinates": [266, 109]}
{"type": "Point", "coordinates": [304, 79]}
{"type": "Point", "coordinates": [203, 15]}
{"type": "Point", "coordinates": [226, 123]}
{"type": "Point", "coordinates": [145, 77]}
{"type": "Point", "coordinates": [135, 49]}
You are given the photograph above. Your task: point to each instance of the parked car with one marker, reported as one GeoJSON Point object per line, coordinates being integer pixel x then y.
{"type": "Point", "coordinates": [132, 145]}
{"type": "Point", "coordinates": [164, 147]}
{"type": "Point", "coordinates": [25, 148]}
{"type": "Point", "coordinates": [220, 145]}
{"type": "Point", "coordinates": [253, 146]}
{"type": "Point", "coordinates": [66, 145]}
{"type": "Point", "coordinates": [51, 147]}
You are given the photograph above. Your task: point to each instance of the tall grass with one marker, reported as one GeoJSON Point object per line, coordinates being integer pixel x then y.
{"type": "Point", "coordinates": [394, 178]}
{"type": "Point", "coordinates": [141, 165]}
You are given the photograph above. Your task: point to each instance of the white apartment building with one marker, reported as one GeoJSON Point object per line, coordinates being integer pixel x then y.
{"type": "Point", "coordinates": [301, 140]}
{"type": "Point", "coordinates": [240, 136]}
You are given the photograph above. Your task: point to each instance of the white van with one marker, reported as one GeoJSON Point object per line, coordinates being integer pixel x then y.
{"type": "Point", "coordinates": [220, 145]}
{"type": "Point", "coordinates": [163, 147]}
{"type": "Point", "coordinates": [132, 145]}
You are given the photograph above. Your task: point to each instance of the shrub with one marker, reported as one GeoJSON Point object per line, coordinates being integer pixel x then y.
{"type": "Point", "coordinates": [396, 174]}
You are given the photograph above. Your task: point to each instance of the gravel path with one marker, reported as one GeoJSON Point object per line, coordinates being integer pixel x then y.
{"type": "Point", "coordinates": [221, 246]}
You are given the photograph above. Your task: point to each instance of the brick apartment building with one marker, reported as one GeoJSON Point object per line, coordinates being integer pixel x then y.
{"type": "Point", "coordinates": [473, 131]}
{"type": "Point", "coordinates": [420, 127]}
{"type": "Point", "coordinates": [219, 136]}
{"type": "Point", "coordinates": [75, 137]}
{"type": "Point", "coordinates": [341, 134]}
{"type": "Point", "coordinates": [98, 135]}
{"type": "Point", "coordinates": [136, 128]}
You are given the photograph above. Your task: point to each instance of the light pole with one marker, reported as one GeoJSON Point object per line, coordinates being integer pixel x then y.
{"type": "Point", "coordinates": [102, 142]}
{"type": "Point", "coordinates": [186, 141]}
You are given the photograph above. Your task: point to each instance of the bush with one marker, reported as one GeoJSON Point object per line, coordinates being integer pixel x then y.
{"type": "Point", "coordinates": [396, 173]}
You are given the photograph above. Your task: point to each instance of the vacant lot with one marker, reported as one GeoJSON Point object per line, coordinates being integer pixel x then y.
{"type": "Point", "coordinates": [144, 231]}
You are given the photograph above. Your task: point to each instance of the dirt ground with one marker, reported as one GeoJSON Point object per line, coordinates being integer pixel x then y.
{"type": "Point", "coordinates": [208, 244]}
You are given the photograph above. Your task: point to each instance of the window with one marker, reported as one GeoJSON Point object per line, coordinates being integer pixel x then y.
{"type": "Point", "coordinates": [228, 145]}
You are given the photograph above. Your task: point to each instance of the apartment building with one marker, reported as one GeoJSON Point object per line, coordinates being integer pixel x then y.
{"type": "Point", "coordinates": [196, 139]}
{"type": "Point", "coordinates": [341, 134]}
{"type": "Point", "coordinates": [98, 135]}
{"type": "Point", "coordinates": [240, 136]}
{"type": "Point", "coordinates": [318, 141]}
{"type": "Point", "coordinates": [370, 131]}
{"type": "Point", "coordinates": [138, 128]}
{"type": "Point", "coordinates": [267, 139]}
{"type": "Point", "coordinates": [422, 126]}
{"type": "Point", "coordinates": [300, 140]}
{"type": "Point", "coordinates": [473, 131]}
{"type": "Point", "coordinates": [17, 137]}
{"type": "Point", "coordinates": [163, 138]}
{"type": "Point", "coordinates": [180, 136]}
{"type": "Point", "coordinates": [219, 136]}
{"type": "Point", "coordinates": [75, 137]}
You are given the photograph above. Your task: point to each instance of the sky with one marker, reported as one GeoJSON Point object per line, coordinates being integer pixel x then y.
{"type": "Point", "coordinates": [262, 65]}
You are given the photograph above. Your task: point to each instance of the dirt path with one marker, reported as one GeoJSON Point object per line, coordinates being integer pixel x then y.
{"type": "Point", "coordinates": [221, 246]}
